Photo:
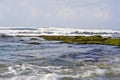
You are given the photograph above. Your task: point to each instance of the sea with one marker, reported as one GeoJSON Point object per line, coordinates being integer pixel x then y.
{"type": "Point", "coordinates": [55, 60]}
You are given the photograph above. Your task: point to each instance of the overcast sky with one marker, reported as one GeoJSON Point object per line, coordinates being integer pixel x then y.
{"type": "Point", "coordinates": [60, 13]}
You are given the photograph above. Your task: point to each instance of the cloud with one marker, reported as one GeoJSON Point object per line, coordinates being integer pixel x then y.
{"type": "Point", "coordinates": [65, 14]}
{"type": "Point", "coordinates": [31, 8]}
{"type": "Point", "coordinates": [58, 12]}
{"type": "Point", "coordinates": [104, 15]}
{"type": "Point", "coordinates": [80, 11]}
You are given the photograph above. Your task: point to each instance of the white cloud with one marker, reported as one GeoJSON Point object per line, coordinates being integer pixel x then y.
{"type": "Point", "coordinates": [32, 9]}
{"type": "Point", "coordinates": [33, 14]}
{"type": "Point", "coordinates": [56, 12]}
{"type": "Point", "coordinates": [66, 14]}
{"type": "Point", "coordinates": [104, 15]}
{"type": "Point", "coordinates": [79, 12]}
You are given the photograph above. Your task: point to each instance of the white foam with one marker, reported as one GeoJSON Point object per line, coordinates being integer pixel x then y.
{"type": "Point", "coordinates": [59, 31]}
{"type": "Point", "coordinates": [39, 72]}
{"type": "Point", "coordinates": [94, 72]}
{"type": "Point", "coordinates": [51, 77]}
{"type": "Point", "coordinates": [46, 77]}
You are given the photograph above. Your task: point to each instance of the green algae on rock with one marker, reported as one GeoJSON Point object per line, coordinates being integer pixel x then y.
{"type": "Point", "coordinates": [96, 39]}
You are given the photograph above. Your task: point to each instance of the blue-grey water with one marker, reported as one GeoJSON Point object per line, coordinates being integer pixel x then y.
{"type": "Point", "coordinates": [54, 60]}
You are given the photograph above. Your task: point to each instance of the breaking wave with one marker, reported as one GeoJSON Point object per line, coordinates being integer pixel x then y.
{"type": "Point", "coordinates": [34, 72]}
{"type": "Point", "coordinates": [58, 31]}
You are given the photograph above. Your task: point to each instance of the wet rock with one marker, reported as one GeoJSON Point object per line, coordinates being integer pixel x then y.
{"type": "Point", "coordinates": [33, 39]}
{"type": "Point", "coordinates": [21, 40]}
{"type": "Point", "coordinates": [102, 66]}
{"type": "Point", "coordinates": [35, 43]}
{"type": "Point", "coordinates": [67, 78]}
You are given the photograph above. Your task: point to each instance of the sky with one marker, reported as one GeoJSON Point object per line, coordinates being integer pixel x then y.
{"type": "Point", "coordinates": [103, 14]}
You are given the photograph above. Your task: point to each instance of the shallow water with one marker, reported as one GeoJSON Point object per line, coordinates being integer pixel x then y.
{"type": "Point", "coordinates": [53, 60]}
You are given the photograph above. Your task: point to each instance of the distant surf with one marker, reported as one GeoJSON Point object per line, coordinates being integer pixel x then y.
{"type": "Point", "coordinates": [58, 31]}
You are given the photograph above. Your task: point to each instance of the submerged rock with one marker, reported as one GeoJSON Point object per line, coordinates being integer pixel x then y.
{"type": "Point", "coordinates": [21, 40]}
{"type": "Point", "coordinates": [67, 78]}
{"type": "Point", "coordinates": [33, 39]}
{"type": "Point", "coordinates": [35, 43]}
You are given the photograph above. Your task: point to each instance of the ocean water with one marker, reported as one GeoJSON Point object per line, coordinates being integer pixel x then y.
{"type": "Point", "coordinates": [53, 60]}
